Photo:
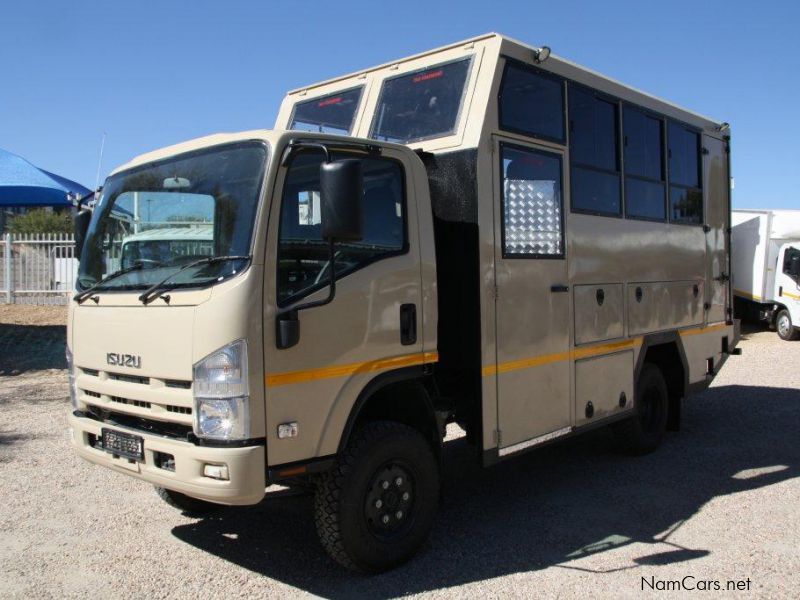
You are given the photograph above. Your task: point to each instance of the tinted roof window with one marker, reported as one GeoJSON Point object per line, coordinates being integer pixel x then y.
{"type": "Point", "coordinates": [532, 103]}
{"type": "Point", "coordinates": [421, 105]}
{"type": "Point", "coordinates": [593, 130]}
{"type": "Point", "coordinates": [684, 156]}
{"type": "Point", "coordinates": [643, 145]}
{"type": "Point", "coordinates": [333, 113]}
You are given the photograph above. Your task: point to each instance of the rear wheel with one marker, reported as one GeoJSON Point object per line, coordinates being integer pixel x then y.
{"type": "Point", "coordinates": [376, 507]}
{"type": "Point", "coordinates": [187, 504]}
{"type": "Point", "coordinates": [784, 326]}
{"type": "Point", "coordinates": [643, 432]}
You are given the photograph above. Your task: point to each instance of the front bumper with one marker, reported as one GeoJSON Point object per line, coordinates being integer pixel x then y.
{"type": "Point", "coordinates": [246, 465]}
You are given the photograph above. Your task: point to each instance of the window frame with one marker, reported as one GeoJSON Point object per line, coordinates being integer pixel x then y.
{"type": "Point", "coordinates": [533, 150]}
{"type": "Point", "coordinates": [664, 162]}
{"type": "Point", "coordinates": [620, 173]}
{"type": "Point", "coordinates": [360, 88]}
{"type": "Point", "coordinates": [700, 169]}
{"type": "Point", "coordinates": [563, 141]}
{"type": "Point", "coordinates": [456, 122]}
{"type": "Point", "coordinates": [337, 155]}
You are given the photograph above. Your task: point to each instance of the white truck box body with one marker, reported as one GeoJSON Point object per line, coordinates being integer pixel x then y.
{"type": "Point", "coordinates": [760, 239]}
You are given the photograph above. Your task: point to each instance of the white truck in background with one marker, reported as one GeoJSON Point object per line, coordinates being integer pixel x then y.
{"type": "Point", "coordinates": [766, 268]}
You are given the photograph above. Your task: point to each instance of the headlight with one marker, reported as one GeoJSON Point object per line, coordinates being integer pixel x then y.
{"type": "Point", "coordinates": [73, 386]}
{"type": "Point", "coordinates": [221, 394]}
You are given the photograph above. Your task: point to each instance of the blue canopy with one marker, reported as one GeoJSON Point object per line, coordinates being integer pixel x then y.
{"type": "Point", "coordinates": [22, 184]}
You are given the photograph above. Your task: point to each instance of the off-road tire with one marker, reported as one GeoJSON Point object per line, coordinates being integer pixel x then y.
{"type": "Point", "coordinates": [345, 497]}
{"type": "Point", "coordinates": [786, 332]}
{"type": "Point", "coordinates": [643, 432]}
{"type": "Point", "coordinates": [187, 504]}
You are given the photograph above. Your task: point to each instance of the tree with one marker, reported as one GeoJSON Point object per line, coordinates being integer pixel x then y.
{"type": "Point", "coordinates": [40, 220]}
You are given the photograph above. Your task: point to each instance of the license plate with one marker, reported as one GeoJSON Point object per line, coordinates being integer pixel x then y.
{"type": "Point", "coordinates": [123, 444]}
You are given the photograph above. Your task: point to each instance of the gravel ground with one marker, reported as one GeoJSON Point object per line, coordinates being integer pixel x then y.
{"type": "Point", "coordinates": [720, 501]}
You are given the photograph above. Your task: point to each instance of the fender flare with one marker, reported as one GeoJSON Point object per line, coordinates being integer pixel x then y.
{"type": "Point", "coordinates": [416, 374]}
{"type": "Point", "coordinates": [659, 339]}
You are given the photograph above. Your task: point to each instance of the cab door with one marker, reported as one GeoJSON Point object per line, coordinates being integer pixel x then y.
{"type": "Point", "coordinates": [716, 181]}
{"type": "Point", "coordinates": [372, 325]}
{"type": "Point", "coordinates": [532, 300]}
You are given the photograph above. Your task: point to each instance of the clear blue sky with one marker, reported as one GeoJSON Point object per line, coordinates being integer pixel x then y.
{"type": "Point", "coordinates": [154, 73]}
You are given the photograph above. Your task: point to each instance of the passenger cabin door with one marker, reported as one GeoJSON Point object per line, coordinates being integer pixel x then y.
{"type": "Point", "coordinates": [716, 182]}
{"type": "Point", "coordinates": [533, 300]}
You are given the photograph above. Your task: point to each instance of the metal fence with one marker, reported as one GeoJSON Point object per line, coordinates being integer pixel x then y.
{"type": "Point", "coordinates": [37, 268]}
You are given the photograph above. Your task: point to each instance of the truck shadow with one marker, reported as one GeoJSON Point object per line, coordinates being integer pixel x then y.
{"type": "Point", "coordinates": [549, 508]}
{"type": "Point", "coordinates": [31, 348]}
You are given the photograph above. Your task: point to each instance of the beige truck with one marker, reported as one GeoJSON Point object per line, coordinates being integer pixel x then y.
{"type": "Point", "coordinates": [484, 235]}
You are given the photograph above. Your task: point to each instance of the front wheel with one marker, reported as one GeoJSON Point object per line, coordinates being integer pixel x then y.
{"type": "Point", "coordinates": [376, 507]}
{"type": "Point", "coordinates": [785, 327]}
{"type": "Point", "coordinates": [643, 432]}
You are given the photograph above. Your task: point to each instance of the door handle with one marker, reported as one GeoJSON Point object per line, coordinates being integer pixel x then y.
{"type": "Point", "coordinates": [408, 324]}
{"type": "Point", "coordinates": [559, 288]}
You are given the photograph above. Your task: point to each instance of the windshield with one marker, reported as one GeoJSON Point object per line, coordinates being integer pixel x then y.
{"type": "Point", "coordinates": [421, 105]}
{"type": "Point", "coordinates": [164, 215]}
{"type": "Point", "coordinates": [333, 113]}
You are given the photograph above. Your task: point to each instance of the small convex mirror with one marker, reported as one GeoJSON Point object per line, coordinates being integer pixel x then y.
{"type": "Point", "coordinates": [341, 192]}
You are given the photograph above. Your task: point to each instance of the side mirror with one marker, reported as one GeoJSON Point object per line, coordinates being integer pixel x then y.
{"type": "Point", "coordinates": [81, 224]}
{"type": "Point", "coordinates": [341, 190]}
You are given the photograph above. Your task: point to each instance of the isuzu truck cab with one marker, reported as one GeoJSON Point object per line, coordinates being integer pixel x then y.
{"type": "Point", "coordinates": [485, 236]}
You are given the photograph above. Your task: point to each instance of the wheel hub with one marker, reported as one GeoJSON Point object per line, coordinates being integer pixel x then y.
{"type": "Point", "coordinates": [390, 500]}
{"type": "Point", "coordinates": [783, 325]}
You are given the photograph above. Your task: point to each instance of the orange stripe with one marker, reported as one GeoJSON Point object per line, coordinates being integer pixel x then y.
{"type": "Point", "coordinates": [746, 295]}
{"type": "Point", "coordinates": [794, 296]}
{"type": "Point", "coordinates": [545, 359]}
{"type": "Point", "coordinates": [583, 352]}
{"type": "Point", "coordinates": [701, 330]}
{"type": "Point", "coordinates": [306, 375]}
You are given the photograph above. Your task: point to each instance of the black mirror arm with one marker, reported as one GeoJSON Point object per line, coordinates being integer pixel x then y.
{"type": "Point", "coordinates": [331, 287]}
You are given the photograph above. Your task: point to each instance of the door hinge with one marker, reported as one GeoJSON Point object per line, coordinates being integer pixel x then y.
{"type": "Point", "coordinates": [705, 150]}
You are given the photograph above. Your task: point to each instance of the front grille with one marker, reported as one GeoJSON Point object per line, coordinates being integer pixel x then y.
{"type": "Point", "coordinates": [129, 378]}
{"type": "Point", "coordinates": [92, 372]}
{"type": "Point", "coordinates": [182, 410]}
{"type": "Point", "coordinates": [174, 383]}
{"type": "Point", "coordinates": [172, 430]}
{"type": "Point", "coordinates": [91, 393]}
{"type": "Point", "coordinates": [139, 403]}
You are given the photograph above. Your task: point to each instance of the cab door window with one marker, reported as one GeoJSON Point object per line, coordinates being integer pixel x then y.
{"type": "Point", "coordinates": [303, 254]}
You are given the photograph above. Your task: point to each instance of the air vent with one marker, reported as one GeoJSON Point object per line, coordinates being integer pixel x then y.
{"type": "Point", "coordinates": [129, 378]}
{"type": "Point", "coordinates": [91, 394]}
{"type": "Point", "coordinates": [174, 383]}
{"type": "Point", "coordinates": [92, 372]}
{"type": "Point", "coordinates": [129, 402]}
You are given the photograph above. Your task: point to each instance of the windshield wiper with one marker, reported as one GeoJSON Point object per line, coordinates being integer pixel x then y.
{"type": "Point", "coordinates": [81, 296]}
{"type": "Point", "coordinates": [158, 289]}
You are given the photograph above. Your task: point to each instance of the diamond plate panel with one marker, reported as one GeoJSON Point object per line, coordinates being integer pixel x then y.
{"type": "Point", "coordinates": [532, 217]}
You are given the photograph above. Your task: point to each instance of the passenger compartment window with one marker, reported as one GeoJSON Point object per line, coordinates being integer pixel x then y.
{"type": "Point", "coordinates": [643, 143]}
{"type": "Point", "coordinates": [303, 254]}
{"type": "Point", "coordinates": [531, 102]}
{"type": "Point", "coordinates": [533, 223]}
{"type": "Point", "coordinates": [421, 105]}
{"type": "Point", "coordinates": [333, 113]}
{"type": "Point", "coordinates": [685, 182]}
{"type": "Point", "coordinates": [594, 153]}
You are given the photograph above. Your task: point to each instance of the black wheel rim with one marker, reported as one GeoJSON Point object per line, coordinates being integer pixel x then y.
{"type": "Point", "coordinates": [651, 410]}
{"type": "Point", "coordinates": [390, 501]}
